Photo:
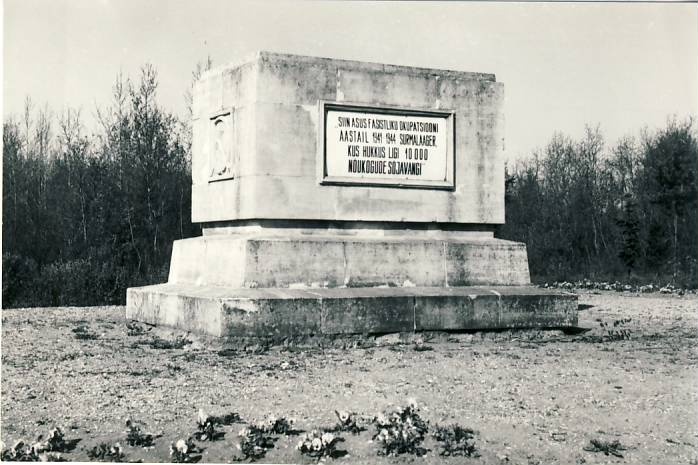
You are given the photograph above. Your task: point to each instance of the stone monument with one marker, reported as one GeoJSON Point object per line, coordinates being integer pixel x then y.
{"type": "Point", "coordinates": [347, 197]}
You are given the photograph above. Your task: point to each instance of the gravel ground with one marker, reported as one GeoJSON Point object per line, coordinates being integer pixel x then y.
{"type": "Point", "coordinates": [532, 396]}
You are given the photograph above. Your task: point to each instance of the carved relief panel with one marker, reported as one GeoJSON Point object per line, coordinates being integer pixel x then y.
{"type": "Point", "coordinates": [221, 159]}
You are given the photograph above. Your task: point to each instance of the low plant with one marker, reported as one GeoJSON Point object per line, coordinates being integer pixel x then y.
{"type": "Point", "coordinates": [608, 448]}
{"type": "Point", "coordinates": [206, 428]}
{"type": "Point", "coordinates": [617, 331]}
{"type": "Point", "coordinates": [422, 346]}
{"type": "Point", "coordinates": [83, 332]}
{"type": "Point", "coordinates": [254, 443]}
{"type": "Point", "coordinates": [19, 452]}
{"type": "Point", "coordinates": [106, 453]}
{"type": "Point", "coordinates": [456, 441]}
{"type": "Point", "coordinates": [177, 343]}
{"type": "Point", "coordinates": [135, 437]}
{"type": "Point", "coordinates": [347, 421]}
{"type": "Point", "coordinates": [184, 451]}
{"type": "Point", "coordinates": [317, 445]}
{"type": "Point", "coordinates": [42, 450]}
{"type": "Point", "coordinates": [55, 442]}
{"type": "Point", "coordinates": [401, 431]}
{"type": "Point", "coordinates": [227, 419]}
{"type": "Point", "coordinates": [276, 425]}
{"type": "Point", "coordinates": [135, 329]}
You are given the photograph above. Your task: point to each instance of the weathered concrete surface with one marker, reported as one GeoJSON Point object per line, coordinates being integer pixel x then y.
{"type": "Point", "coordinates": [283, 253]}
{"type": "Point", "coordinates": [274, 99]}
{"type": "Point", "coordinates": [225, 312]}
{"type": "Point", "coordinates": [316, 261]}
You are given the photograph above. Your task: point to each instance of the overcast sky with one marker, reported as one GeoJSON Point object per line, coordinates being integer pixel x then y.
{"type": "Point", "coordinates": [622, 66]}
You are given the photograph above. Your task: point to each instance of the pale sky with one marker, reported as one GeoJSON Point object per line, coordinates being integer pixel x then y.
{"type": "Point", "coordinates": [623, 66]}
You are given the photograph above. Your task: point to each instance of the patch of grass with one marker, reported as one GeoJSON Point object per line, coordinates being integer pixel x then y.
{"type": "Point", "coordinates": [617, 331]}
{"type": "Point", "coordinates": [456, 440]}
{"type": "Point", "coordinates": [421, 346]}
{"type": "Point", "coordinates": [177, 343]}
{"type": "Point", "coordinates": [172, 367]}
{"type": "Point", "coordinates": [83, 332]}
{"type": "Point", "coordinates": [608, 448]}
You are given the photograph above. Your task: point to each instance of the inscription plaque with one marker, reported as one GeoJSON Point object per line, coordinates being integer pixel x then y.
{"type": "Point", "coordinates": [386, 146]}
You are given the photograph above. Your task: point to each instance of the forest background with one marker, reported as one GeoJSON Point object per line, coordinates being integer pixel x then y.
{"type": "Point", "coordinates": [86, 216]}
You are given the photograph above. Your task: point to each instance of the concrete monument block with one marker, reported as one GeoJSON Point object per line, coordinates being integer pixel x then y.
{"type": "Point", "coordinates": [347, 197]}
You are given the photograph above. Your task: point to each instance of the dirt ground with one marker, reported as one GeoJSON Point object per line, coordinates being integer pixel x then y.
{"type": "Point", "coordinates": [534, 397]}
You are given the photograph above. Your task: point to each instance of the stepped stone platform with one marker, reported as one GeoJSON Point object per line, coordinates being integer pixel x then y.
{"type": "Point", "coordinates": [340, 197]}
{"type": "Point", "coordinates": [229, 312]}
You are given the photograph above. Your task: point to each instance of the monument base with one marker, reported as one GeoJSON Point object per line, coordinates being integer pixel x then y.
{"type": "Point", "coordinates": [269, 281]}
{"type": "Point", "coordinates": [282, 312]}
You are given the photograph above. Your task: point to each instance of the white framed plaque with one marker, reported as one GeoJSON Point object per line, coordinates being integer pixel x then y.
{"type": "Point", "coordinates": [385, 146]}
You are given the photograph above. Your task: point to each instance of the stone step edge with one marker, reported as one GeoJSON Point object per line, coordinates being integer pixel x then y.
{"type": "Point", "coordinates": [273, 312]}
{"type": "Point", "coordinates": [348, 292]}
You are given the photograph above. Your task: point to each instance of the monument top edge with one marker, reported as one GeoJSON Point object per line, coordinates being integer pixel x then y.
{"type": "Point", "coordinates": [268, 56]}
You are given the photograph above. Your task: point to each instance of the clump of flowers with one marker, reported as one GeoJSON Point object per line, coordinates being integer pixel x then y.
{"type": "Point", "coordinates": [42, 450]}
{"type": "Point", "coordinates": [315, 444]}
{"type": "Point", "coordinates": [20, 452]}
{"type": "Point", "coordinates": [55, 442]}
{"type": "Point", "coordinates": [276, 425]}
{"type": "Point", "coordinates": [401, 431]}
{"type": "Point", "coordinates": [134, 436]}
{"type": "Point", "coordinates": [106, 453]}
{"type": "Point", "coordinates": [184, 451]}
{"type": "Point", "coordinates": [206, 428]}
{"type": "Point", "coordinates": [347, 422]}
{"type": "Point", "coordinates": [254, 443]}
{"type": "Point", "coordinates": [456, 441]}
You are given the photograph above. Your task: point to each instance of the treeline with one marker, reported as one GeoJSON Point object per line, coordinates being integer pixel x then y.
{"type": "Point", "coordinates": [86, 216]}
{"type": "Point", "coordinates": [627, 212]}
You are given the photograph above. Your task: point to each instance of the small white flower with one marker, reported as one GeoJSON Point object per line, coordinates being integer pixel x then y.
{"type": "Point", "coordinates": [244, 432]}
{"type": "Point", "coordinates": [181, 446]}
{"type": "Point", "coordinates": [202, 417]}
{"type": "Point", "coordinates": [343, 416]}
{"type": "Point", "coordinates": [39, 447]}
{"type": "Point", "coordinates": [317, 444]}
{"type": "Point", "coordinates": [327, 438]}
